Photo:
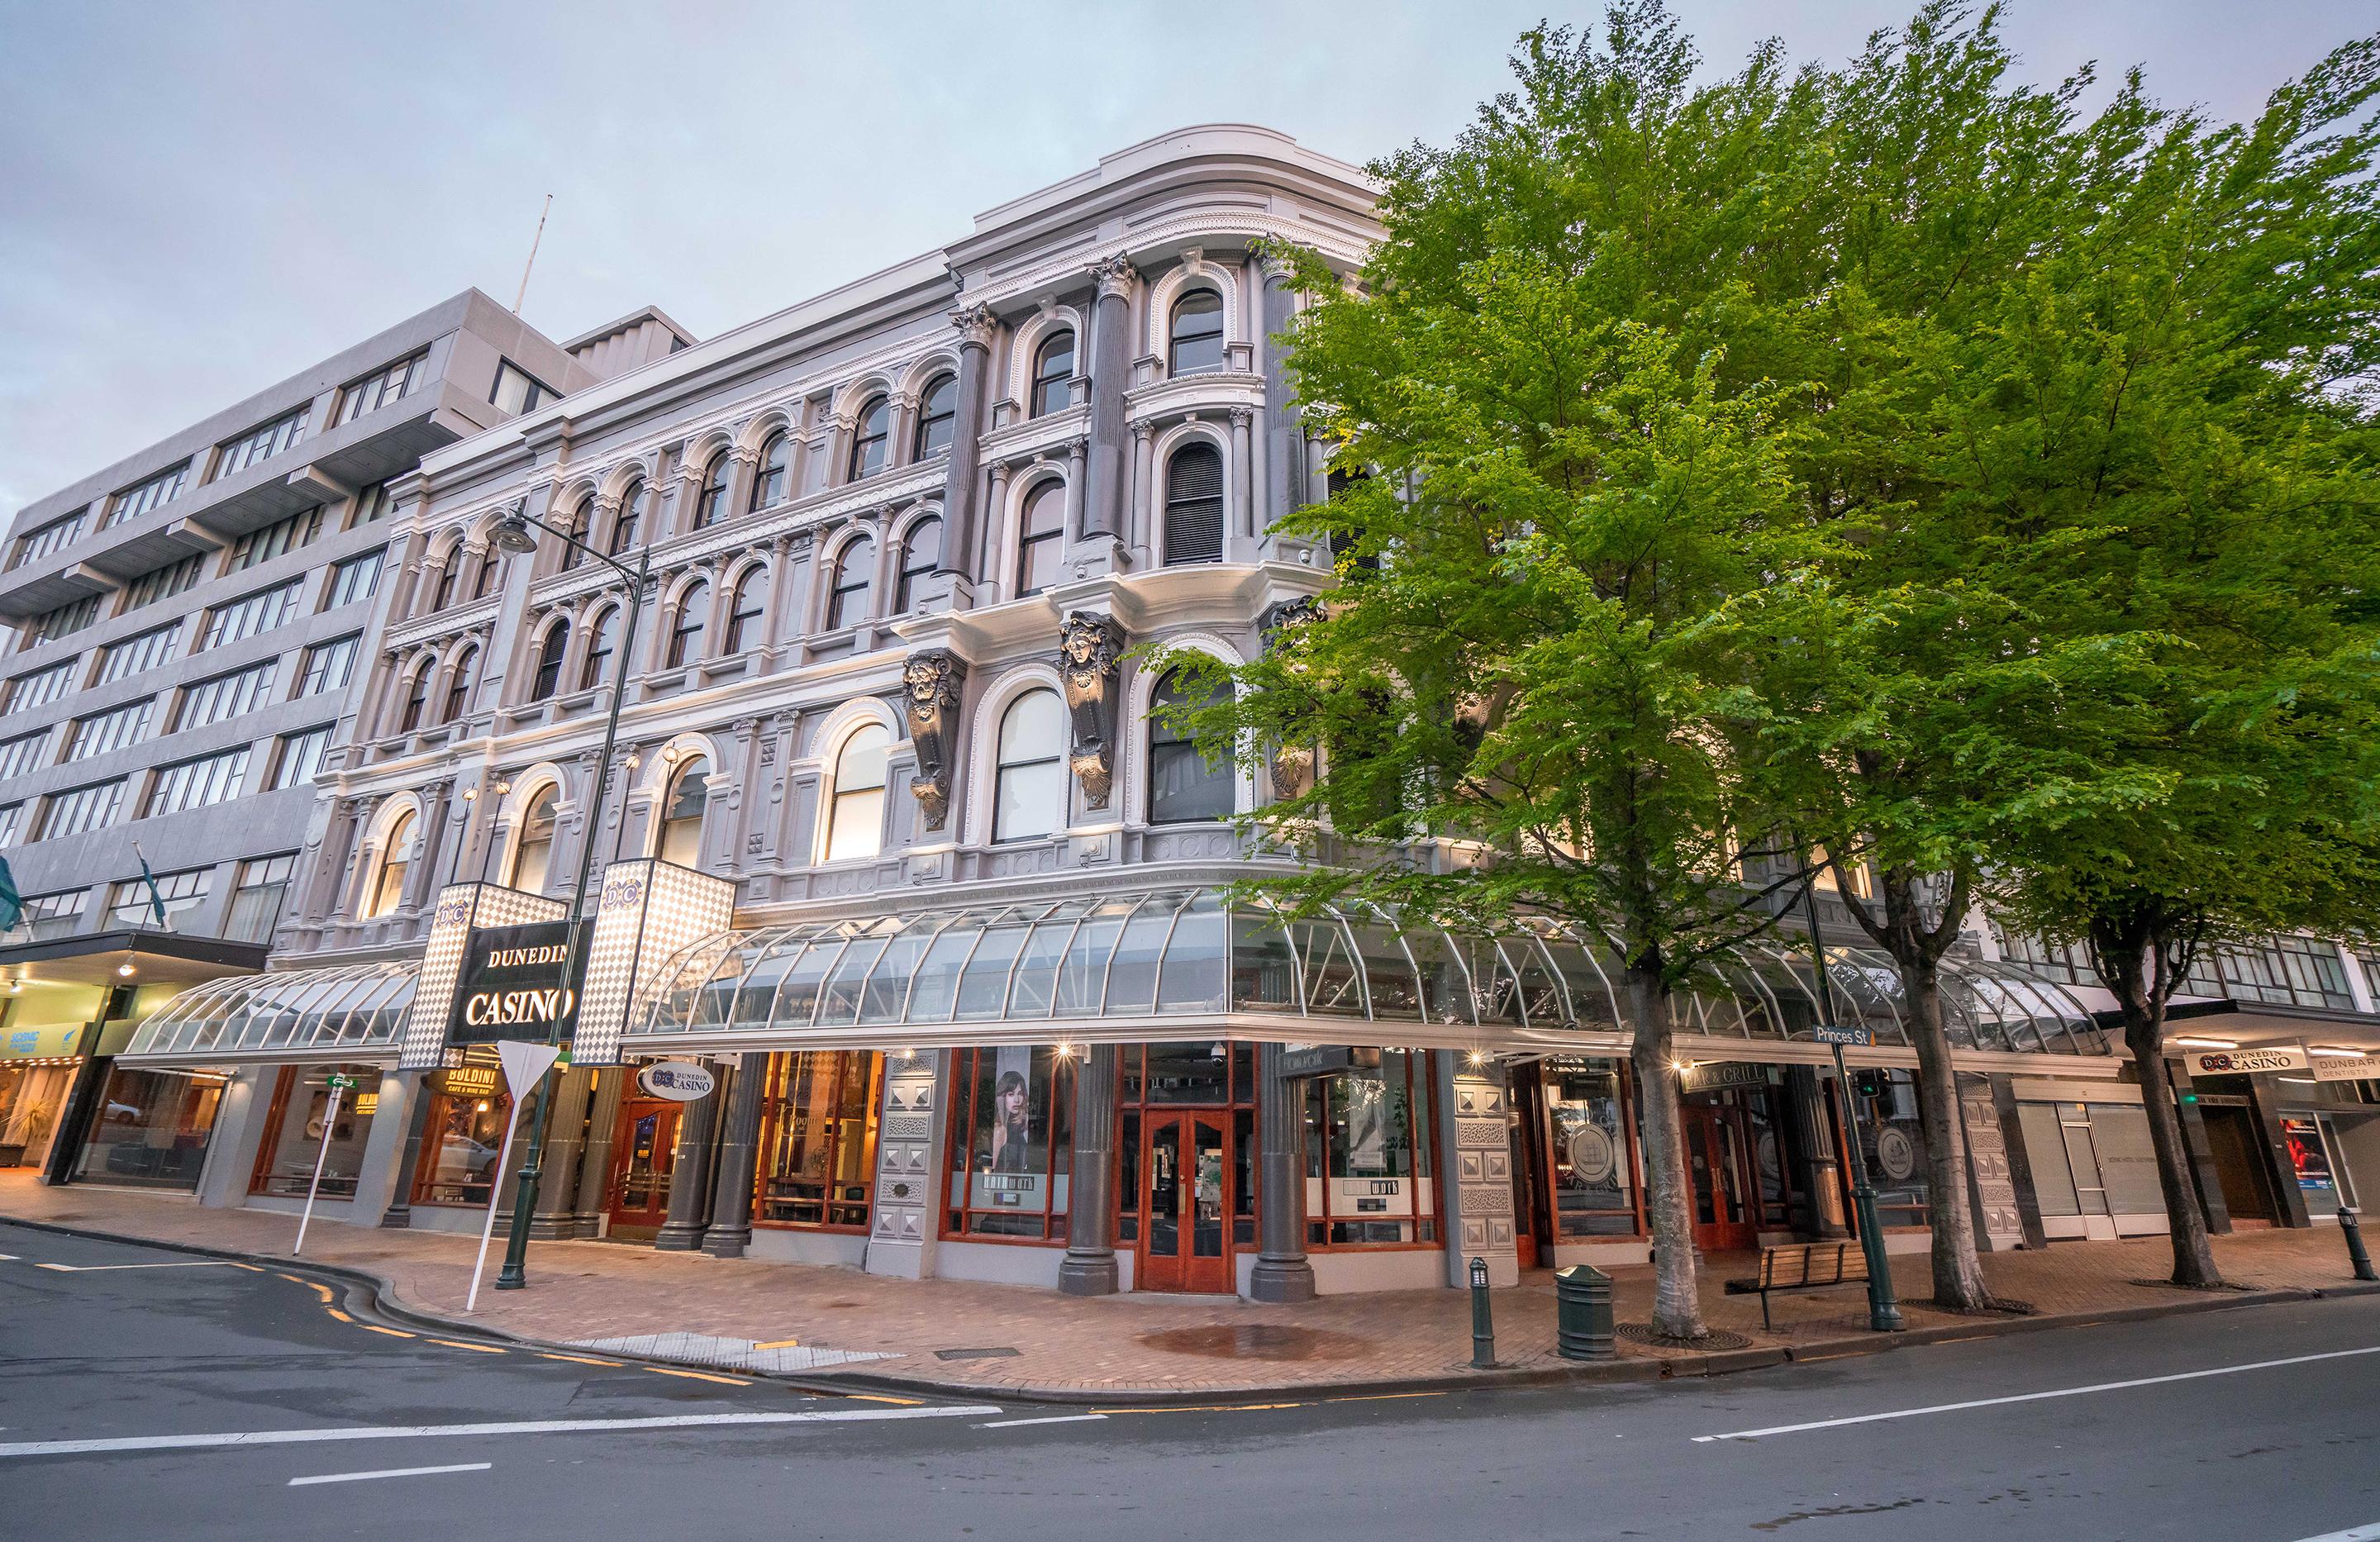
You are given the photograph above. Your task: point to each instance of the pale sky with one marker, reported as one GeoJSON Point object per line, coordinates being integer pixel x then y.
{"type": "Point", "coordinates": [197, 199]}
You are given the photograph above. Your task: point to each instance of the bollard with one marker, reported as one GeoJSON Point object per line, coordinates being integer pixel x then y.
{"type": "Point", "coordinates": [1483, 1325]}
{"type": "Point", "coordinates": [1583, 1313]}
{"type": "Point", "coordinates": [2355, 1253]}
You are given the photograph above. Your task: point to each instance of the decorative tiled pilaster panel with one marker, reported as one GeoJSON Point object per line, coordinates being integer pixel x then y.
{"type": "Point", "coordinates": [1482, 1222]}
{"type": "Point", "coordinates": [901, 1232]}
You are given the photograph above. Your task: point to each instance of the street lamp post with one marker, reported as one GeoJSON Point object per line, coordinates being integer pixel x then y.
{"type": "Point", "coordinates": [512, 534]}
{"type": "Point", "coordinates": [1883, 1310]}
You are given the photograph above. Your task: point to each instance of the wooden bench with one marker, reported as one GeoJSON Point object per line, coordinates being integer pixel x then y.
{"type": "Point", "coordinates": [1803, 1265]}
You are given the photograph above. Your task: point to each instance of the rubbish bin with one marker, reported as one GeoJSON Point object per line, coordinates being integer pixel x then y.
{"type": "Point", "coordinates": [1583, 1313]}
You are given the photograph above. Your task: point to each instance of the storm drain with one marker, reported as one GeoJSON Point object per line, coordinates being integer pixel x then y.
{"type": "Point", "coordinates": [975, 1354]}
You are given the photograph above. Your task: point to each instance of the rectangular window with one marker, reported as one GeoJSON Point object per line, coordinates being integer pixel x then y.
{"type": "Point", "coordinates": [1370, 1156]}
{"type": "Point", "coordinates": [53, 915]}
{"type": "Point", "coordinates": [818, 1139]}
{"type": "Point", "coordinates": [2283, 971]}
{"type": "Point", "coordinates": [196, 783]}
{"type": "Point", "coordinates": [79, 810]}
{"type": "Point", "coordinates": [251, 614]}
{"type": "Point", "coordinates": [256, 899]}
{"type": "Point", "coordinates": [298, 758]}
{"type": "Point", "coordinates": [129, 904]}
{"type": "Point", "coordinates": [1012, 1142]}
{"type": "Point", "coordinates": [262, 442]}
{"type": "Point", "coordinates": [300, 1137]}
{"type": "Point", "coordinates": [163, 583]}
{"type": "Point", "coordinates": [155, 1129]}
{"type": "Point", "coordinates": [329, 665]}
{"type": "Point", "coordinates": [380, 387]}
{"type": "Point", "coordinates": [66, 619]}
{"type": "Point", "coordinates": [41, 686]}
{"type": "Point", "coordinates": [354, 579]}
{"type": "Point", "coordinates": [11, 818]}
{"type": "Point", "coordinates": [141, 497]}
{"type": "Point", "coordinates": [372, 505]}
{"type": "Point", "coordinates": [104, 732]}
{"type": "Point", "coordinates": [518, 391]}
{"type": "Point", "coordinates": [146, 651]}
{"type": "Point", "coordinates": [22, 753]}
{"type": "Point", "coordinates": [462, 1135]}
{"type": "Point", "coordinates": [225, 696]}
{"type": "Point", "coordinates": [39, 542]}
{"type": "Point", "coordinates": [281, 536]}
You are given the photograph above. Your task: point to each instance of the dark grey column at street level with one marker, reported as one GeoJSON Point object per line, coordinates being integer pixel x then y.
{"type": "Point", "coordinates": [1089, 1266]}
{"type": "Point", "coordinates": [1820, 1172]}
{"type": "Point", "coordinates": [1284, 433]}
{"type": "Point", "coordinates": [1281, 1272]}
{"type": "Point", "coordinates": [399, 1214]}
{"type": "Point", "coordinates": [556, 1214]}
{"type": "Point", "coordinates": [740, 1150]}
{"type": "Point", "coordinates": [966, 466]}
{"type": "Point", "coordinates": [595, 1164]}
{"type": "Point", "coordinates": [1111, 372]}
{"type": "Point", "coordinates": [689, 1197]}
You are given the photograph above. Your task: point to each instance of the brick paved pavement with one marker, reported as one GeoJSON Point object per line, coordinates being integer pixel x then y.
{"type": "Point", "coordinates": [1129, 1344]}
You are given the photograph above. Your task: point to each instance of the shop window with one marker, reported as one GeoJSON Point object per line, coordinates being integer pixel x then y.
{"type": "Point", "coordinates": [856, 821]}
{"type": "Point", "coordinates": [534, 855]}
{"type": "Point", "coordinates": [395, 859]}
{"type": "Point", "coordinates": [1183, 784]}
{"type": "Point", "coordinates": [689, 795]}
{"type": "Point", "coordinates": [1053, 374]}
{"type": "Point", "coordinates": [296, 1131]}
{"type": "Point", "coordinates": [1370, 1156]}
{"type": "Point", "coordinates": [1198, 331]}
{"type": "Point", "coordinates": [152, 1129]}
{"type": "Point", "coordinates": [818, 1139]}
{"type": "Point", "coordinates": [462, 1136]}
{"type": "Point", "coordinates": [1591, 1131]}
{"type": "Point", "coordinates": [1885, 1110]}
{"type": "Point", "coordinates": [1012, 1142]}
{"type": "Point", "coordinates": [1029, 799]}
{"type": "Point", "coordinates": [1040, 539]}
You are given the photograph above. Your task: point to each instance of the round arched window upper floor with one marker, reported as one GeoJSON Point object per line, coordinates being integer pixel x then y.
{"type": "Point", "coordinates": [746, 606]}
{"type": "Point", "coordinates": [776, 459]}
{"type": "Point", "coordinates": [1193, 506]}
{"type": "Point", "coordinates": [1053, 374]}
{"type": "Point", "coordinates": [600, 642]}
{"type": "Point", "coordinates": [551, 647]}
{"type": "Point", "coordinates": [689, 794]}
{"type": "Point", "coordinates": [417, 700]}
{"type": "Point", "coordinates": [1184, 786]}
{"type": "Point", "coordinates": [921, 553]}
{"type": "Point", "coordinates": [582, 528]}
{"type": "Point", "coordinates": [533, 854]}
{"type": "Point", "coordinates": [623, 524]}
{"type": "Point", "coordinates": [870, 438]}
{"type": "Point", "coordinates": [712, 502]}
{"type": "Point", "coordinates": [1198, 332]}
{"type": "Point", "coordinates": [491, 564]}
{"type": "Point", "coordinates": [938, 416]}
{"type": "Point", "coordinates": [450, 579]}
{"type": "Point", "coordinates": [460, 683]}
{"type": "Point", "coordinates": [395, 860]}
{"type": "Point", "coordinates": [1041, 538]}
{"type": "Point", "coordinates": [685, 631]}
{"type": "Point", "coordinates": [855, 820]}
{"type": "Point", "coordinates": [1029, 791]}
{"type": "Point", "coordinates": [855, 570]}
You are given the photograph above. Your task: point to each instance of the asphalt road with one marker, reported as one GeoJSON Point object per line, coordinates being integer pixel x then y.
{"type": "Point", "coordinates": [161, 1359]}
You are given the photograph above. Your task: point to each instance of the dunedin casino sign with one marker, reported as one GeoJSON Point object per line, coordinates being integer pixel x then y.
{"type": "Point", "coordinates": [517, 983]}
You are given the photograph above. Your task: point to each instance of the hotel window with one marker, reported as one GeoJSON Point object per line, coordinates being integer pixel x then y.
{"type": "Point", "coordinates": [582, 534]}
{"type": "Point", "coordinates": [1183, 784]}
{"type": "Point", "coordinates": [225, 696]}
{"type": "Point", "coordinates": [450, 578]}
{"type": "Point", "coordinates": [1198, 332]}
{"type": "Point", "coordinates": [921, 553]}
{"type": "Point", "coordinates": [938, 416]}
{"type": "Point", "coordinates": [141, 497]}
{"type": "Point", "coordinates": [251, 614]}
{"type": "Point", "coordinates": [484, 583]}
{"type": "Point", "coordinates": [1012, 1142]}
{"type": "Point", "coordinates": [769, 483]}
{"type": "Point", "coordinates": [64, 621]}
{"type": "Point", "coordinates": [600, 644]}
{"type": "Point", "coordinates": [372, 505]}
{"type": "Point", "coordinates": [355, 580]}
{"type": "Point", "coordinates": [682, 813]}
{"type": "Point", "coordinates": [40, 542]}
{"type": "Point", "coordinates": [460, 683]}
{"type": "Point", "coordinates": [256, 899]}
{"type": "Point", "coordinates": [871, 438]}
{"type": "Point", "coordinates": [855, 820]}
{"type": "Point", "coordinates": [274, 539]}
{"type": "Point", "coordinates": [855, 568]}
{"type": "Point", "coordinates": [550, 650]}
{"type": "Point", "coordinates": [685, 632]}
{"type": "Point", "coordinates": [129, 904]}
{"type": "Point", "coordinates": [1193, 506]}
{"type": "Point", "coordinates": [298, 759]}
{"type": "Point", "coordinates": [1053, 375]}
{"type": "Point", "coordinates": [261, 443]}
{"type": "Point", "coordinates": [417, 699]}
{"type": "Point", "coordinates": [1029, 798]}
{"type": "Point", "coordinates": [80, 809]}
{"type": "Point", "coordinates": [534, 855]}
{"type": "Point", "coordinates": [302, 1139]}
{"type": "Point", "coordinates": [41, 686]}
{"type": "Point", "coordinates": [379, 388]}
{"type": "Point", "coordinates": [395, 859]}
{"type": "Point", "coordinates": [145, 651]}
{"type": "Point", "coordinates": [163, 583]}
{"type": "Point", "coordinates": [104, 733]}
{"type": "Point", "coordinates": [12, 818]}
{"type": "Point", "coordinates": [744, 608]}
{"type": "Point", "coordinates": [818, 1139]}
{"type": "Point", "coordinates": [517, 391]}
{"type": "Point", "coordinates": [328, 666]}
{"type": "Point", "coordinates": [1041, 538]}
{"type": "Point", "coordinates": [54, 916]}
{"type": "Point", "coordinates": [623, 524]}
{"type": "Point", "coordinates": [197, 783]}
{"type": "Point", "coordinates": [23, 754]}
{"type": "Point", "coordinates": [712, 502]}
{"type": "Point", "coordinates": [1371, 1158]}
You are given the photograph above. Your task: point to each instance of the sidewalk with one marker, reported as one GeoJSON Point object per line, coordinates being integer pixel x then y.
{"type": "Point", "coordinates": [1148, 1346]}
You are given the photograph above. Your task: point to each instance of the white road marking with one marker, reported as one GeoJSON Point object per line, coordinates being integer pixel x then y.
{"type": "Point", "coordinates": [1052, 1419]}
{"type": "Point", "coordinates": [2033, 1397]}
{"type": "Point", "coordinates": [101, 1268]}
{"type": "Point", "coordinates": [522, 1426]}
{"type": "Point", "coordinates": [2352, 1534]}
{"type": "Point", "coordinates": [391, 1472]}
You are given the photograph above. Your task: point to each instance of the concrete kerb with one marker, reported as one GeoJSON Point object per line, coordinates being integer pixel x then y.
{"type": "Point", "coordinates": [380, 1300]}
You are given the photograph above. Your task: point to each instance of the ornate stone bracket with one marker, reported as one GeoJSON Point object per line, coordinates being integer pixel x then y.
{"type": "Point", "coordinates": [933, 679]}
{"type": "Point", "coordinates": [1090, 650]}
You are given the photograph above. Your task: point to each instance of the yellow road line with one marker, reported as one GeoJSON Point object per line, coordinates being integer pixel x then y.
{"type": "Point", "coordinates": [392, 1332]}
{"type": "Point", "coordinates": [871, 1397]}
{"type": "Point", "coordinates": [698, 1376]}
{"type": "Point", "coordinates": [577, 1359]}
{"type": "Point", "coordinates": [457, 1343]}
{"type": "Point", "coordinates": [336, 1313]}
{"type": "Point", "coordinates": [1381, 1397]}
{"type": "Point", "coordinates": [251, 1269]}
{"type": "Point", "coordinates": [779, 1343]}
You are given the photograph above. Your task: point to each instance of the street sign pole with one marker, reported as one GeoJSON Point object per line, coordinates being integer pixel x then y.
{"type": "Point", "coordinates": [340, 1082]}
{"type": "Point", "coordinates": [1883, 1309]}
{"type": "Point", "coordinates": [525, 1067]}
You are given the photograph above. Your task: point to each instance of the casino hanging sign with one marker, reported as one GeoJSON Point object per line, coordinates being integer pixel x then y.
{"type": "Point", "coordinates": [517, 983]}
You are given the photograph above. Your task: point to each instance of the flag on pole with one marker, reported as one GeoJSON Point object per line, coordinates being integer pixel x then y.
{"type": "Point", "coordinates": [156, 899]}
{"type": "Point", "coordinates": [12, 903]}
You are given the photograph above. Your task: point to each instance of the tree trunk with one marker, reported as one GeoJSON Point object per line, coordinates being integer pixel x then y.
{"type": "Point", "coordinates": [1676, 1304]}
{"type": "Point", "coordinates": [2193, 1255]}
{"type": "Point", "coordinates": [1958, 1271]}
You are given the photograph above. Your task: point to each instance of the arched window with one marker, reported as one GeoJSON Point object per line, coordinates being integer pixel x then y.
{"type": "Point", "coordinates": [582, 526]}
{"type": "Point", "coordinates": [1198, 331]}
{"type": "Point", "coordinates": [871, 436]}
{"type": "Point", "coordinates": [921, 553]}
{"type": "Point", "coordinates": [1183, 785]}
{"type": "Point", "coordinates": [417, 699]}
{"type": "Point", "coordinates": [550, 648]}
{"type": "Point", "coordinates": [685, 635]}
{"type": "Point", "coordinates": [1030, 795]}
{"type": "Point", "coordinates": [689, 794]}
{"type": "Point", "coordinates": [1193, 506]}
{"type": "Point", "coordinates": [459, 685]}
{"type": "Point", "coordinates": [856, 823]}
{"type": "Point", "coordinates": [534, 852]}
{"type": "Point", "coordinates": [450, 577]}
{"type": "Point", "coordinates": [1053, 374]}
{"type": "Point", "coordinates": [713, 501]}
{"type": "Point", "coordinates": [395, 860]}
{"type": "Point", "coordinates": [769, 483]}
{"type": "Point", "coordinates": [744, 608]}
{"type": "Point", "coordinates": [938, 416]}
{"type": "Point", "coordinates": [484, 584]}
{"type": "Point", "coordinates": [847, 605]}
{"type": "Point", "coordinates": [600, 643]}
{"type": "Point", "coordinates": [623, 524]}
{"type": "Point", "coordinates": [1041, 538]}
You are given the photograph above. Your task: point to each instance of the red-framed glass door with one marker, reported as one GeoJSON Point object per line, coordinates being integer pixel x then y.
{"type": "Point", "coordinates": [644, 1148]}
{"type": "Point", "coordinates": [1185, 1204]}
{"type": "Point", "coordinates": [1726, 1207]}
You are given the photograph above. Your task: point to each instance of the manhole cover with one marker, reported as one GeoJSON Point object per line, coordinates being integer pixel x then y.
{"type": "Point", "coordinates": [975, 1354]}
{"type": "Point", "coordinates": [1717, 1338]}
{"type": "Point", "coordinates": [1257, 1340]}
